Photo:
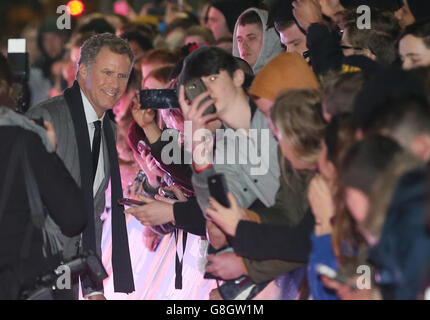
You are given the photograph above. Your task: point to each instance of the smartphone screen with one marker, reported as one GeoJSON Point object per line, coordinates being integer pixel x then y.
{"type": "Point", "coordinates": [159, 99]}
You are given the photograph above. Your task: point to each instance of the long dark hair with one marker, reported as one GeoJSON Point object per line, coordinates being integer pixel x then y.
{"type": "Point", "coordinates": [339, 137]}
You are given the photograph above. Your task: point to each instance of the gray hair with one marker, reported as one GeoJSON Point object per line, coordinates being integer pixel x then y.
{"type": "Point", "coordinates": [91, 48]}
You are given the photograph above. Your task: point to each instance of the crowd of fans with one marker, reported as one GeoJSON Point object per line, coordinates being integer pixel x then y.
{"type": "Point", "coordinates": [342, 121]}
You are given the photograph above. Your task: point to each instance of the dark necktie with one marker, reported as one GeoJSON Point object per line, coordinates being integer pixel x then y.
{"type": "Point", "coordinates": [96, 145]}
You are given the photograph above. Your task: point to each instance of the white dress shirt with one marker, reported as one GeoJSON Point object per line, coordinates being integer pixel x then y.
{"type": "Point", "coordinates": [91, 116]}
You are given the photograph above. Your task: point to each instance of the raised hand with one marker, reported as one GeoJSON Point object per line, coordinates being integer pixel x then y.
{"type": "Point", "coordinates": [226, 218]}
{"type": "Point", "coordinates": [307, 12]}
{"type": "Point", "coordinates": [194, 113]}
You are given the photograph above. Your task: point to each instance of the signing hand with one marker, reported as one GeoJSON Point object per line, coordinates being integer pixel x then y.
{"type": "Point", "coordinates": [226, 218]}
{"type": "Point", "coordinates": [226, 266]}
{"type": "Point", "coordinates": [153, 213]}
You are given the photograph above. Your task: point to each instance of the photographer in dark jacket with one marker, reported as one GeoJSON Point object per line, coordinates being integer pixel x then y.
{"type": "Point", "coordinates": [26, 251]}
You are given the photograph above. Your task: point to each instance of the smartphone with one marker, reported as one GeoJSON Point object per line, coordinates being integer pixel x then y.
{"type": "Point", "coordinates": [194, 88]}
{"type": "Point", "coordinates": [325, 270]}
{"type": "Point", "coordinates": [218, 189]}
{"type": "Point", "coordinates": [130, 202]}
{"type": "Point", "coordinates": [159, 99]}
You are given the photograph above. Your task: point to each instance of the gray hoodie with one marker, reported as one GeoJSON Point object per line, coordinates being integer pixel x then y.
{"type": "Point", "coordinates": [271, 46]}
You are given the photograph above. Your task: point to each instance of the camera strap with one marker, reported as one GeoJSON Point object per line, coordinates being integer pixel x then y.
{"type": "Point", "coordinates": [179, 263]}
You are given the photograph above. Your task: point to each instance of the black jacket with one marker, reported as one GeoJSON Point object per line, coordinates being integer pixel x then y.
{"type": "Point", "coordinates": [61, 196]}
{"type": "Point", "coordinates": [402, 255]}
{"type": "Point", "coordinates": [324, 47]}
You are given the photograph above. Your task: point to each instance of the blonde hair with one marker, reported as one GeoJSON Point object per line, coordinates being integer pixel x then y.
{"type": "Point", "coordinates": [297, 115]}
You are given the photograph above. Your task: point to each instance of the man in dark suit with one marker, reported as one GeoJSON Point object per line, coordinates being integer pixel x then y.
{"type": "Point", "coordinates": [86, 144]}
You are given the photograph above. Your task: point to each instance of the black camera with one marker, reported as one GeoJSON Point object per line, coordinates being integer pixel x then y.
{"type": "Point", "coordinates": [45, 286]}
{"type": "Point", "coordinates": [159, 99]}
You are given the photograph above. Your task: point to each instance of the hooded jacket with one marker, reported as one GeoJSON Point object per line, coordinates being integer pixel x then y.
{"type": "Point", "coordinates": [402, 255]}
{"type": "Point", "coordinates": [271, 45]}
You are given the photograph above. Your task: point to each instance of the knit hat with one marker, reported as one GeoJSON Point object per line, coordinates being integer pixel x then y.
{"type": "Point", "coordinates": [231, 9]}
{"type": "Point", "coordinates": [420, 9]}
{"type": "Point", "coordinates": [286, 71]}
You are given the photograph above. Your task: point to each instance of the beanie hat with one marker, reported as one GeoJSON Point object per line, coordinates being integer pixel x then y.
{"type": "Point", "coordinates": [286, 71]}
{"type": "Point", "coordinates": [420, 9]}
{"type": "Point", "coordinates": [231, 9]}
